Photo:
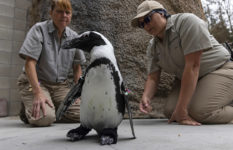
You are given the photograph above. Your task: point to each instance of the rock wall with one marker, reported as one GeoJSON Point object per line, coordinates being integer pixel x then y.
{"type": "Point", "coordinates": [112, 18]}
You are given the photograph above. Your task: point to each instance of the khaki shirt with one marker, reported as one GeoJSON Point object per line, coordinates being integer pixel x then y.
{"type": "Point", "coordinates": [185, 33]}
{"type": "Point", "coordinates": [53, 62]}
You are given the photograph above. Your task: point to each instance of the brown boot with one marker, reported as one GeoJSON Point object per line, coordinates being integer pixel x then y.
{"type": "Point", "coordinates": [22, 114]}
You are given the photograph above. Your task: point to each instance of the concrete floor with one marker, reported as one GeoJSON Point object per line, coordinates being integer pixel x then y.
{"type": "Point", "coordinates": [152, 134]}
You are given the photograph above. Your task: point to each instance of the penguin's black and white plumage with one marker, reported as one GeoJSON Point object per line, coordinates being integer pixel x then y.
{"type": "Point", "coordinates": [101, 89]}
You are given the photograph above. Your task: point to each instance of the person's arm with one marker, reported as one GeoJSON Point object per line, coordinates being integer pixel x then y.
{"type": "Point", "coordinates": [77, 72]}
{"type": "Point", "coordinates": [188, 86]}
{"type": "Point", "coordinates": [149, 91]}
{"type": "Point", "coordinates": [39, 99]}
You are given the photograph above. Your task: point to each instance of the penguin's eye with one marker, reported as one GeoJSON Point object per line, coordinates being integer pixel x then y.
{"type": "Point", "coordinates": [85, 35]}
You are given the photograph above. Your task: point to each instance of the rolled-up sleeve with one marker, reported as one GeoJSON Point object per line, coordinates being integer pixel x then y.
{"type": "Point", "coordinates": [79, 57]}
{"type": "Point", "coordinates": [194, 34]}
{"type": "Point", "coordinates": [32, 45]}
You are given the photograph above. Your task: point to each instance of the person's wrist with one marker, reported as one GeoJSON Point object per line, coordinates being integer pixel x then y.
{"type": "Point", "coordinates": [144, 96]}
{"type": "Point", "coordinates": [182, 109]}
{"type": "Point", "coordinates": [37, 92]}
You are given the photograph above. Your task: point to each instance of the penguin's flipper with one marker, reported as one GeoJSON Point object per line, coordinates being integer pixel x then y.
{"type": "Point", "coordinates": [128, 109]}
{"type": "Point", "coordinates": [74, 93]}
{"type": "Point", "coordinates": [130, 116]}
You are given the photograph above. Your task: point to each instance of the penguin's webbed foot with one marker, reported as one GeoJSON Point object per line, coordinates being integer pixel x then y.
{"type": "Point", "coordinates": [108, 136]}
{"type": "Point", "coordinates": [106, 140]}
{"type": "Point", "coordinates": [78, 133]}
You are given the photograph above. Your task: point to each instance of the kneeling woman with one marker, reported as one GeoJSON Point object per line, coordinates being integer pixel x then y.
{"type": "Point", "coordinates": [182, 45]}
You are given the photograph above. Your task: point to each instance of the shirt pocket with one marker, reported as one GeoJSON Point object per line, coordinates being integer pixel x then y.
{"type": "Point", "coordinates": [176, 52]}
{"type": "Point", "coordinates": [174, 41]}
{"type": "Point", "coordinates": [67, 57]}
{"type": "Point", "coordinates": [47, 53]}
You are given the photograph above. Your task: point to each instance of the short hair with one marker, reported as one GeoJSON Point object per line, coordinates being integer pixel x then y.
{"type": "Point", "coordinates": [163, 11]}
{"type": "Point", "coordinates": [63, 4]}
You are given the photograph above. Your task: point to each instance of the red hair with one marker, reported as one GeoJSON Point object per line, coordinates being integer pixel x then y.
{"type": "Point", "coordinates": [63, 4]}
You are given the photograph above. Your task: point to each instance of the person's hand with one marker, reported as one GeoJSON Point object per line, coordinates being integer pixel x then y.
{"type": "Point", "coordinates": [145, 105]}
{"type": "Point", "coordinates": [77, 101]}
{"type": "Point", "coordinates": [40, 102]}
{"type": "Point", "coordinates": [182, 117]}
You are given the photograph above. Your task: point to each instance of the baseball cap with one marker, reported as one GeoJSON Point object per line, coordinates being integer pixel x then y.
{"type": "Point", "coordinates": [145, 8]}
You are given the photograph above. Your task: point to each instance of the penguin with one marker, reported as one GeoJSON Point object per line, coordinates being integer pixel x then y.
{"type": "Point", "coordinates": [102, 91]}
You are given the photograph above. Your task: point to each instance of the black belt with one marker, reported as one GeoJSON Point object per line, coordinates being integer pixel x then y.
{"type": "Point", "coordinates": [228, 47]}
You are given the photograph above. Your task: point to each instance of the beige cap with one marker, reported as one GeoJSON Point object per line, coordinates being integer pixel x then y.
{"type": "Point", "coordinates": [144, 8]}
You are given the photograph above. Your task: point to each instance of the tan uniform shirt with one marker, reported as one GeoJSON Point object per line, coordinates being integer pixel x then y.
{"type": "Point", "coordinates": [185, 33]}
{"type": "Point", "coordinates": [43, 45]}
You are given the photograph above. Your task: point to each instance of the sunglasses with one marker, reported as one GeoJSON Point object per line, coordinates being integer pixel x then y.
{"type": "Point", "coordinates": [146, 19]}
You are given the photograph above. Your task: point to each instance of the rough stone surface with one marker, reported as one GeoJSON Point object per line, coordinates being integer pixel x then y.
{"type": "Point", "coordinates": [112, 18]}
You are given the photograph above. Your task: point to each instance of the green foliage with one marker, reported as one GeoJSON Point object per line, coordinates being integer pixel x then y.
{"type": "Point", "coordinates": [221, 32]}
{"type": "Point", "coordinates": [218, 14]}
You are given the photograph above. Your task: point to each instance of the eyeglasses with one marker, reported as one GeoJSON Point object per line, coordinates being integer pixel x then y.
{"type": "Point", "coordinates": [146, 19]}
{"type": "Point", "coordinates": [67, 12]}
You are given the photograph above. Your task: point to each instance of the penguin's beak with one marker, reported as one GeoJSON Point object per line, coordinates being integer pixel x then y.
{"type": "Point", "coordinates": [74, 43]}
{"type": "Point", "coordinates": [85, 42]}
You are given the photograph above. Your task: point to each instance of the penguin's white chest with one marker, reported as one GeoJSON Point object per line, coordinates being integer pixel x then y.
{"type": "Point", "coordinates": [98, 99]}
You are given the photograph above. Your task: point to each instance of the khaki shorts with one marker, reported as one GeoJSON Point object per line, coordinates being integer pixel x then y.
{"type": "Point", "coordinates": [212, 100]}
{"type": "Point", "coordinates": [55, 93]}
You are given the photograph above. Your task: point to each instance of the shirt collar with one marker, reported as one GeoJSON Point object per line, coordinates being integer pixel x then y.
{"type": "Point", "coordinates": [169, 24]}
{"type": "Point", "coordinates": [52, 28]}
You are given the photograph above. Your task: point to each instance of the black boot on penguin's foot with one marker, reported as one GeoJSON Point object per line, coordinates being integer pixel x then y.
{"type": "Point", "coordinates": [78, 133]}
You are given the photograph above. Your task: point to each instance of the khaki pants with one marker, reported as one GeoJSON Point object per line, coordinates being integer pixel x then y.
{"type": "Point", "coordinates": [55, 92]}
{"type": "Point", "coordinates": [212, 102]}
